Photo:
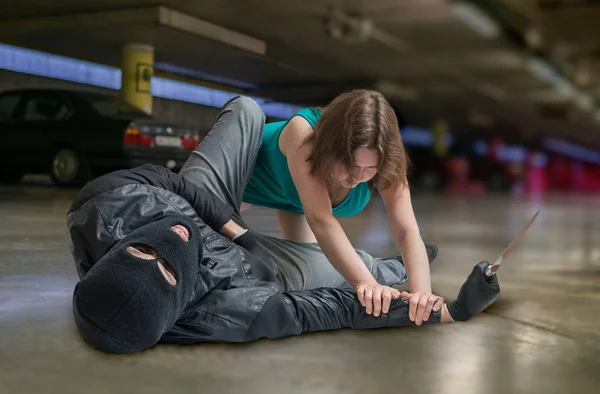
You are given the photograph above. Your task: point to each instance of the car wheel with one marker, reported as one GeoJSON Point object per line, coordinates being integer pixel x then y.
{"type": "Point", "coordinates": [9, 176]}
{"type": "Point", "coordinates": [68, 168]}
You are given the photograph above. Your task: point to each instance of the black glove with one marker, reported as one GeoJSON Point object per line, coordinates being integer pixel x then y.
{"type": "Point", "coordinates": [247, 241]}
{"type": "Point", "coordinates": [476, 294]}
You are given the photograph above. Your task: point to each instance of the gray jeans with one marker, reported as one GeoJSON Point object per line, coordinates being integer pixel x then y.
{"type": "Point", "coordinates": [223, 163]}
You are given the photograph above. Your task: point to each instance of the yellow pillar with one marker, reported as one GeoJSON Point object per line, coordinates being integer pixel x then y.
{"type": "Point", "coordinates": [440, 132]}
{"type": "Point", "coordinates": [137, 66]}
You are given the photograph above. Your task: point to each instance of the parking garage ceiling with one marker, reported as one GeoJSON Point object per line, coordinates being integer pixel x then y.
{"type": "Point", "coordinates": [532, 66]}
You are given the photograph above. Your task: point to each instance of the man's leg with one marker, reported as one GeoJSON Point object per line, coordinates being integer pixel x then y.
{"type": "Point", "coordinates": [304, 266]}
{"type": "Point", "coordinates": [431, 249]}
{"type": "Point", "coordinates": [224, 159]}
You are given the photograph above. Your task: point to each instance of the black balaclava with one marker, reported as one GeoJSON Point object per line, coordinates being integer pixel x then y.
{"type": "Point", "coordinates": [125, 304]}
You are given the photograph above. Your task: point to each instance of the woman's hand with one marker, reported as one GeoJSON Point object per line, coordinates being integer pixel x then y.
{"type": "Point", "coordinates": [376, 298]}
{"type": "Point", "coordinates": [421, 305]}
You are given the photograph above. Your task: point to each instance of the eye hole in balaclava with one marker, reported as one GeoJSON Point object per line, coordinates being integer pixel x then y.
{"type": "Point", "coordinates": [124, 304]}
{"type": "Point", "coordinates": [145, 252]}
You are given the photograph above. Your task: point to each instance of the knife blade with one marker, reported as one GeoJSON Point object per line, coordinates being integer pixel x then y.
{"type": "Point", "coordinates": [491, 270]}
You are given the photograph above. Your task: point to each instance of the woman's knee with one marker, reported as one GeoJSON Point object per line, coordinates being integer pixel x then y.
{"type": "Point", "coordinates": [248, 108]}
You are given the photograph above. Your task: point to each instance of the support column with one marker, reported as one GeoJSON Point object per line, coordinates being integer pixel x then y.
{"type": "Point", "coordinates": [440, 136]}
{"type": "Point", "coordinates": [137, 66]}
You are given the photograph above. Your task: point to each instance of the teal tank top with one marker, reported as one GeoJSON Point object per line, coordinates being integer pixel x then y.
{"type": "Point", "coordinates": [271, 184]}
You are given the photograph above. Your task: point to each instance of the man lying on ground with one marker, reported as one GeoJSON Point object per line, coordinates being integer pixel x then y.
{"type": "Point", "coordinates": [164, 257]}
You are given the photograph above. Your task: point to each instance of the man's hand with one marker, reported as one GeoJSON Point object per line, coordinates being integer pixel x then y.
{"type": "Point", "coordinates": [375, 297]}
{"type": "Point", "coordinates": [421, 305]}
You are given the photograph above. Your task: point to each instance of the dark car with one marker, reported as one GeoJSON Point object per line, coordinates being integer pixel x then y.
{"type": "Point", "coordinates": [75, 135]}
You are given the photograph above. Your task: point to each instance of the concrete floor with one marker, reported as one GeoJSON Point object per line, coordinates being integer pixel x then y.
{"type": "Point", "coordinates": [542, 336]}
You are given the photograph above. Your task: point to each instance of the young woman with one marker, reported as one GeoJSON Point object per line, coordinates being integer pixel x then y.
{"type": "Point", "coordinates": [326, 162]}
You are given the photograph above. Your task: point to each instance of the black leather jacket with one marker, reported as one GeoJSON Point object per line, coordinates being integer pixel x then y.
{"type": "Point", "coordinates": [232, 302]}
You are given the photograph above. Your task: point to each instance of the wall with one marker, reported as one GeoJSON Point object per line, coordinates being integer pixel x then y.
{"type": "Point", "coordinates": [188, 114]}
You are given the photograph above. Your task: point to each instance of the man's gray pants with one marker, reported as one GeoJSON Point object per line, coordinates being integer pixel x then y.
{"type": "Point", "coordinates": [223, 163]}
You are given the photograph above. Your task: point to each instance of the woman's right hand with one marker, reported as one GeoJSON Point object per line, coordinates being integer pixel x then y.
{"type": "Point", "coordinates": [376, 298]}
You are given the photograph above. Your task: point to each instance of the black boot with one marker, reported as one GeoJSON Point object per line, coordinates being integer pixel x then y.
{"type": "Point", "coordinates": [432, 252]}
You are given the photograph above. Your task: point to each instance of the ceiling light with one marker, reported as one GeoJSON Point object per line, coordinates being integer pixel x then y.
{"type": "Point", "coordinates": [476, 19]}
{"type": "Point", "coordinates": [542, 70]}
{"type": "Point", "coordinates": [565, 87]}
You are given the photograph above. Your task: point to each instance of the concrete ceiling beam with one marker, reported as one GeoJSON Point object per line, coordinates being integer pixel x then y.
{"type": "Point", "coordinates": [157, 15]}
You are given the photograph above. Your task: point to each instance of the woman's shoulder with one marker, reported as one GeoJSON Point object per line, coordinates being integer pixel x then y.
{"type": "Point", "coordinates": [310, 114]}
{"type": "Point", "coordinates": [299, 127]}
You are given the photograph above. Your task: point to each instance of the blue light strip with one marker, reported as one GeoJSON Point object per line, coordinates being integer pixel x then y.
{"type": "Point", "coordinates": [417, 136]}
{"type": "Point", "coordinates": [59, 67]}
{"type": "Point", "coordinates": [47, 65]}
{"type": "Point", "coordinates": [43, 64]}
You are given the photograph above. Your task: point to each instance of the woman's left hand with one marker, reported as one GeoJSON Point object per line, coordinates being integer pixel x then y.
{"type": "Point", "coordinates": [421, 305]}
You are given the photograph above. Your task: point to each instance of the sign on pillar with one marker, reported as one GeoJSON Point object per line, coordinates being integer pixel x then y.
{"type": "Point", "coordinates": [137, 69]}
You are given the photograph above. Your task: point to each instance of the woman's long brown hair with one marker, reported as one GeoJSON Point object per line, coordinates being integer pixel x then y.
{"type": "Point", "coordinates": [359, 119]}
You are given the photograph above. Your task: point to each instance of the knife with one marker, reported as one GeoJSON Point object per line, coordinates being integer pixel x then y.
{"type": "Point", "coordinates": [491, 270]}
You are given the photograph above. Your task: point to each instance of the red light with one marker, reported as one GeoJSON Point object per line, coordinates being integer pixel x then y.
{"type": "Point", "coordinates": [134, 137]}
{"type": "Point", "coordinates": [145, 140]}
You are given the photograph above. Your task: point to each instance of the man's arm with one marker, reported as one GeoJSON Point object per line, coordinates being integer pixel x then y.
{"type": "Point", "coordinates": [87, 237]}
{"type": "Point", "coordinates": [209, 208]}
{"type": "Point", "coordinates": [248, 313]}
{"type": "Point", "coordinates": [296, 312]}
{"type": "Point", "coordinates": [95, 220]}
